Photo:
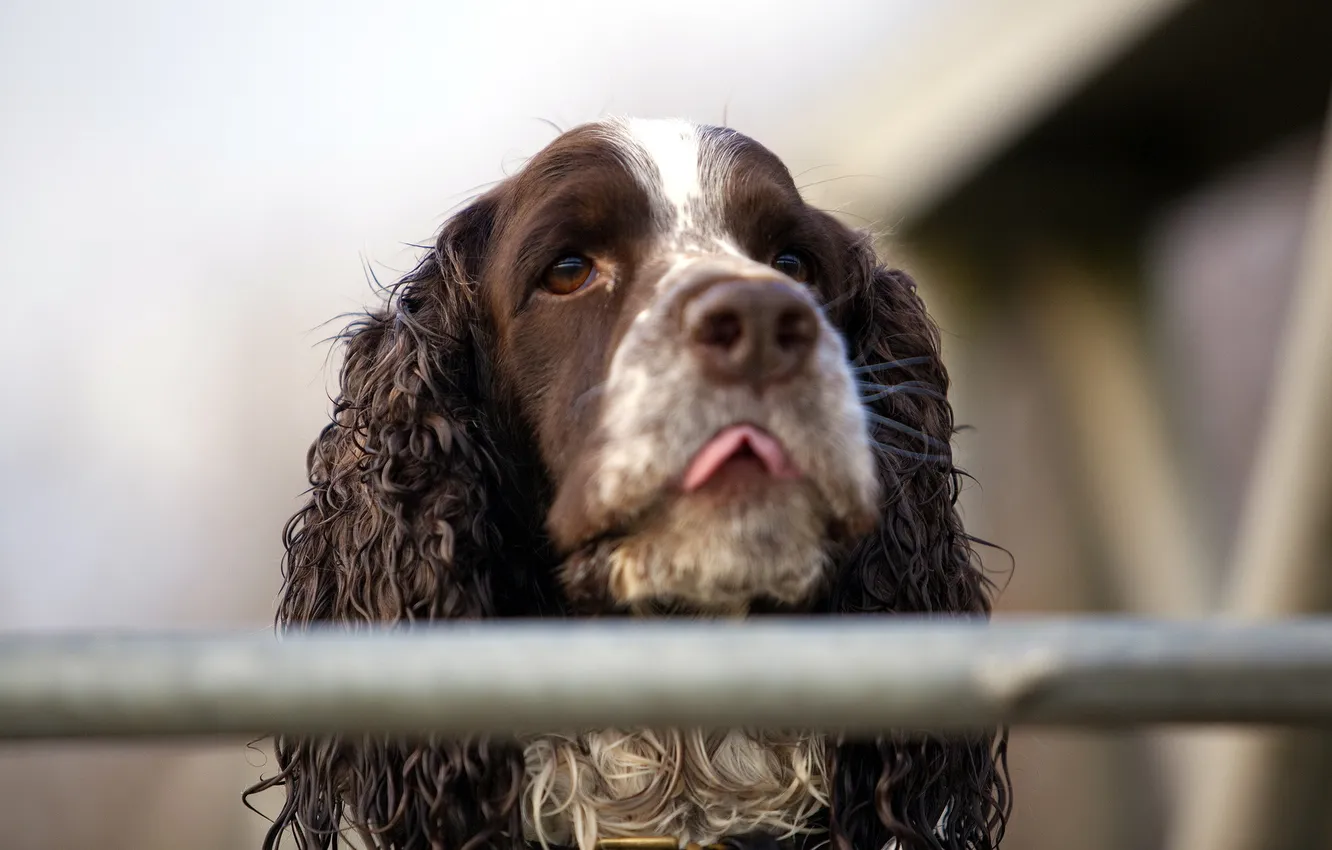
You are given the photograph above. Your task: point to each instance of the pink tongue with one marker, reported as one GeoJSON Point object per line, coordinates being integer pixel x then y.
{"type": "Point", "coordinates": [726, 445]}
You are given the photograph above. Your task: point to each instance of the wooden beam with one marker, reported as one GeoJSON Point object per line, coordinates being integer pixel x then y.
{"type": "Point", "coordinates": [1269, 790]}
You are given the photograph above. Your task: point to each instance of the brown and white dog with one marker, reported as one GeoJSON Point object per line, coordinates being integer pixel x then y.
{"type": "Point", "coordinates": [640, 377]}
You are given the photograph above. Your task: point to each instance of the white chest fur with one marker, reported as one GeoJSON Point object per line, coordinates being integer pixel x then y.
{"type": "Point", "coordinates": [694, 785]}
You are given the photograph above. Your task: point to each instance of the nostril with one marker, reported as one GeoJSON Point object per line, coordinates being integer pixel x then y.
{"type": "Point", "coordinates": [721, 329]}
{"type": "Point", "coordinates": [756, 331]}
{"type": "Point", "coordinates": [795, 329]}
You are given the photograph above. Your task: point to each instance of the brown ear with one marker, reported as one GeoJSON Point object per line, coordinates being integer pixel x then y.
{"type": "Point", "coordinates": [399, 526]}
{"type": "Point", "coordinates": [393, 528]}
{"type": "Point", "coordinates": [932, 792]}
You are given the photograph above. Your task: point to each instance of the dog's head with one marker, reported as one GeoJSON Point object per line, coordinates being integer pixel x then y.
{"type": "Point", "coordinates": [658, 295]}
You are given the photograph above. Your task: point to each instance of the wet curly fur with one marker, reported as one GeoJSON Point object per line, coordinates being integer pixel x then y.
{"type": "Point", "coordinates": [427, 502]}
{"type": "Point", "coordinates": [673, 782]}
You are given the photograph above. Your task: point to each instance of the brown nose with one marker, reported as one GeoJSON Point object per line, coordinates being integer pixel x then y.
{"type": "Point", "coordinates": [758, 332]}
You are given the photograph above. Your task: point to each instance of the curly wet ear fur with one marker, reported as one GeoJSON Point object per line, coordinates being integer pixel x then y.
{"type": "Point", "coordinates": [404, 521]}
{"type": "Point", "coordinates": [923, 791]}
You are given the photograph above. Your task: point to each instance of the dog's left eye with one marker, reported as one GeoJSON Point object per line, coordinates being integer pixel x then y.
{"type": "Point", "coordinates": [793, 265]}
{"type": "Point", "coordinates": [569, 274]}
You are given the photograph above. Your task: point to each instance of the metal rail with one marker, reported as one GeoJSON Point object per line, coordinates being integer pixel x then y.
{"type": "Point", "coordinates": [858, 675]}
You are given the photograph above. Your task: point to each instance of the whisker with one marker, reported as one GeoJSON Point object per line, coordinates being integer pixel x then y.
{"type": "Point", "coordinates": [813, 168]}
{"type": "Point", "coordinates": [857, 216]}
{"type": "Point", "coordinates": [885, 421]}
{"type": "Point", "coordinates": [892, 364]}
{"type": "Point", "coordinates": [923, 388]}
{"type": "Point", "coordinates": [832, 303]}
{"type": "Point", "coordinates": [559, 131]}
{"type": "Point", "coordinates": [901, 452]}
{"type": "Point", "coordinates": [841, 177]}
{"type": "Point", "coordinates": [591, 394]}
{"type": "Point", "coordinates": [901, 389]}
{"type": "Point", "coordinates": [848, 292]}
{"type": "Point", "coordinates": [875, 385]}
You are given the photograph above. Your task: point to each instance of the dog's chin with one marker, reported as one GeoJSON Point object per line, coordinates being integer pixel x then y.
{"type": "Point", "coordinates": [743, 538]}
{"type": "Point", "coordinates": [749, 538]}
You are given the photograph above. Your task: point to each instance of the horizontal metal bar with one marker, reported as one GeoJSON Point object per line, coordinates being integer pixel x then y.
{"type": "Point", "coordinates": [857, 675]}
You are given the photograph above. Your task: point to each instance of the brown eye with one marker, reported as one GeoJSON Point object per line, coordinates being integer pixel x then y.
{"type": "Point", "coordinates": [792, 265]}
{"type": "Point", "coordinates": [569, 274]}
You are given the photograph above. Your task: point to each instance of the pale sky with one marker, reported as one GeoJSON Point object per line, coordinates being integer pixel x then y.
{"type": "Point", "coordinates": [190, 190]}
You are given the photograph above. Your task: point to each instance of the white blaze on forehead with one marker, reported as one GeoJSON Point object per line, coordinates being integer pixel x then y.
{"type": "Point", "coordinates": [683, 168]}
{"type": "Point", "coordinates": [671, 150]}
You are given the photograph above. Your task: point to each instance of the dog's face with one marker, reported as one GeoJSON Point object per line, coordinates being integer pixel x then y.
{"type": "Point", "coordinates": [655, 290]}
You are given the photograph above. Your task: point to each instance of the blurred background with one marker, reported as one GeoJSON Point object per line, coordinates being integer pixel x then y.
{"type": "Point", "coordinates": [1120, 213]}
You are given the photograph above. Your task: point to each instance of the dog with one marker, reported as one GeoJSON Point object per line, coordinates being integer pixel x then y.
{"type": "Point", "coordinates": [639, 377]}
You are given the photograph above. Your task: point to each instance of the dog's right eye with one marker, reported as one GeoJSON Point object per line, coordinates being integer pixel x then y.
{"type": "Point", "coordinates": [569, 274]}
